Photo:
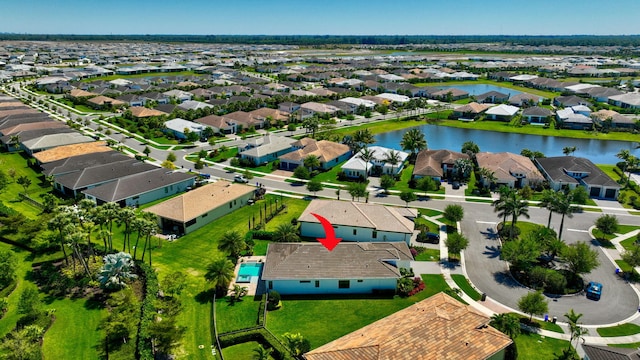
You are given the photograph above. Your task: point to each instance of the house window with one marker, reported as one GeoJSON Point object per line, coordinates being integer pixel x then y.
{"type": "Point", "coordinates": [231, 205]}
{"type": "Point", "coordinates": [343, 284]}
{"type": "Point", "coordinates": [205, 215]}
{"type": "Point", "coordinates": [305, 281]}
{"type": "Point", "coordinates": [135, 198]}
{"type": "Point", "coordinates": [270, 285]}
{"type": "Point", "coordinates": [355, 231]}
{"type": "Point", "coordinates": [317, 283]}
{"type": "Point", "coordinates": [375, 234]}
{"type": "Point", "coordinates": [360, 281]}
{"type": "Point", "coordinates": [234, 202]}
{"type": "Point", "coordinates": [190, 222]}
{"type": "Point", "coordinates": [166, 190]}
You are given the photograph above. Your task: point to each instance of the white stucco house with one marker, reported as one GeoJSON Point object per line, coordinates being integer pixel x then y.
{"type": "Point", "coordinates": [350, 268]}
{"type": "Point", "coordinates": [356, 167]}
{"type": "Point", "coordinates": [355, 221]}
{"type": "Point", "coordinates": [181, 127]}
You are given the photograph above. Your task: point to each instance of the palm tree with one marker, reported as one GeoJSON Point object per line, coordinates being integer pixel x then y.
{"type": "Point", "coordinates": [392, 158]}
{"type": "Point", "coordinates": [624, 155]}
{"type": "Point", "coordinates": [367, 155]}
{"type": "Point", "coordinates": [220, 274]}
{"type": "Point", "coordinates": [576, 330]}
{"type": "Point", "coordinates": [232, 243]}
{"type": "Point", "coordinates": [108, 213]}
{"type": "Point", "coordinates": [261, 353]}
{"type": "Point", "coordinates": [517, 207]}
{"type": "Point", "coordinates": [286, 232]}
{"type": "Point", "coordinates": [126, 216]}
{"type": "Point", "coordinates": [567, 150]}
{"type": "Point", "coordinates": [549, 201]}
{"type": "Point", "coordinates": [14, 140]}
{"type": "Point", "coordinates": [311, 162]}
{"type": "Point", "coordinates": [362, 138]}
{"type": "Point", "coordinates": [117, 269]}
{"type": "Point", "coordinates": [565, 208]}
{"type": "Point", "coordinates": [413, 141]}
{"type": "Point", "coordinates": [499, 204]}
{"type": "Point", "coordinates": [507, 323]}
{"type": "Point", "coordinates": [61, 221]}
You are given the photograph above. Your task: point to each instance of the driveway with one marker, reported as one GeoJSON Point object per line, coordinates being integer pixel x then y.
{"type": "Point", "coordinates": [488, 273]}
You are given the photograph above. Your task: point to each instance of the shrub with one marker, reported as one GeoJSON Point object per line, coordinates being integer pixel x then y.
{"type": "Point", "coordinates": [262, 234]}
{"type": "Point", "coordinates": [556, 282]}
{"type": "Point", "coordinates": [274, 300]}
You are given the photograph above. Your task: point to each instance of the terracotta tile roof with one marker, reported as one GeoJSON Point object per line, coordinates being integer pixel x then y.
{"type": "Point", "coordinates": [199, 201]}
{"type": "Point", "coordinates": [505, 164]}
{"type": "Point", "coordinates": [275, 114]}
{"type": "Point", "coordinates": [49, 124]}
{"type": "Point", "coordinates": [141, 112]}
{"type": "Point", "coordinates": [325, 150]}
{"type": "Point", "coordinates": [63, 152]}
{"type": "Point", "coordinates": [429, 162]}
{"type": "Point", "coordinates": [439, 327]}
{"type": "Point", "coordinates": [472, 107]}
{"type": "Point", "coordinates": [101, 100]}
{"type": "Point", "coordinates": [76, 93]}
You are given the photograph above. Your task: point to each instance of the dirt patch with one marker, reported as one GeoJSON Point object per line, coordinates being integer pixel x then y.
{"type": "Point", "coordinates": [284, 173]}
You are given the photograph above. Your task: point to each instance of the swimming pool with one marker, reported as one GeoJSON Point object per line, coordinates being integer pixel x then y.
{"type": "Point", "coordinates": [248, 271]}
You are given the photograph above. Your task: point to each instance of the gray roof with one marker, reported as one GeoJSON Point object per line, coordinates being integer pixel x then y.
{"type": "Point", "coordinates": [556, 167]}
{"type": "Point", "coordinates": [32, 134]}
{"type": "Point", "coordinates": [53, 140]}
{"type": "Point", "coordinates": [102, 173]}
{"type": "Point", "coordinates": [16, 119]}
{"type": "Point", "coordinates": [346, 261]}
{"type": "Point", "coordinates": [271, 144]}
{"type": "Point", "coordinates": [536, 111]}
{"type": "Point", "coordinates": [80, 162]}
{"type": "Point", "coordinates": [137, 184]}
{"type": "Point", "coordinates": [601, 352]}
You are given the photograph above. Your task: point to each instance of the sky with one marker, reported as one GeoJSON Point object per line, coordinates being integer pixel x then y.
{"type": "Point", "coordinates": [322, 17]}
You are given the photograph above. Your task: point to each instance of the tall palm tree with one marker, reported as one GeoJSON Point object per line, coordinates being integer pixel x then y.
{"type": "Point", "coordinates": [126, 216]}
{"type": "Point", "coordinates": [549, 201]}
{"type": "Point", "coordinates": [507, 323]}
{"type": "Point", "coordinates": [565, 208]}
{"type": "Point", "coordinates": [220, 274]}
{"type": "Point", "coordinates": [392, 158]}
{"type": "Point", "coordinates": [413, 141]}
{"type": "Point", "coordinates": [362, 138]}
{"type": "Point", "coordinates": [311, 162]}
{"type": "Point", "coordinates": [232, 243]}
{"type": "Point", "coordinates": [625, 155]}
{"type": "Point", "coordinates": [260, 353]}
{"type": "Point", "coordinates": [367, 155]}
{"type": "Point", "coordinates": [108, 213]}
{"type": "Point", "coordinates": [569, 150]}
{"type": "Point", "coordinates": [576, 330]}
{"type": "Point", "coordinates": [517, 207]}
{"type": "Point", "coordinates": [62, 220]}
{"type": "Point", "coordinates": [499, 204]}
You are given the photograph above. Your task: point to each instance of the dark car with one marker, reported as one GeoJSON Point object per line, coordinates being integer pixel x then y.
{"type": "Point", "coordinates": [428, 237]}
{"type": "Point", "coordinates": [455, 185]}
{"type": "Point", "coordinates": [594, 290]}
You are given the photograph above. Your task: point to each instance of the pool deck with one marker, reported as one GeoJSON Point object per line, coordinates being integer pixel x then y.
{"type": "Point", "coordinates": [253, 285]}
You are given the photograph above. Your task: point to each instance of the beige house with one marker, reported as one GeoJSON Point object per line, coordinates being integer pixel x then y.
{"type": "Point", "coordinates": [511, 170]}
{"type": "Point", "coordinates": [328, 153]}
{"type": "Point", "coordinates": [437, 164]}
{"type": "Point", "coordinates": [196, 208]}
{"type": "Point", "coordinates": [438, 327]}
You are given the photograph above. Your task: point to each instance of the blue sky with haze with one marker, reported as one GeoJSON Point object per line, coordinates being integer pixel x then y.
{"type": "Point", "coordinates": [324, 17]}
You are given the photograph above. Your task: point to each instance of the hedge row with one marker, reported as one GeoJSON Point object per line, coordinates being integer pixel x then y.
{"type": "Point", "coordinates": [260, 335]}
{"type": "Point", "coordinates": [144, 347]}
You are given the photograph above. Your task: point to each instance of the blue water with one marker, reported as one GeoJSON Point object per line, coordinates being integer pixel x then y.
{"type": "Point", "coordinates": [442, 137]}
{"type": "Point", "coordinates": [477, 89]}
{"type": "Point", "coordinates": [250, 269]}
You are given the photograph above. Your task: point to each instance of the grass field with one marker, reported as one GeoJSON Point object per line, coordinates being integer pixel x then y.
{"type": "Point", "coordinates": [9, 320]}
{"type": "Point", "coordinates": [620, 330]}
{"type": "Point", "coordinates": [241, 351]}
{"type": "Point", "coordinates": [428, 255]}
{"type": "Point", "coordinates": [323, 320]}
{"type": "Point", "coordinates": [237, 315]}
{"type": "Point", "coordinates": [9, 195]}
{"type": "Point", "coordinates": [535, 347]}
{"type": "Point", "coordinates": [464, 285]}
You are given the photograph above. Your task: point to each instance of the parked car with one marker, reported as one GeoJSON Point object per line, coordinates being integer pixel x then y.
{"type": "Point", "coordinates": [429, 237]}
{"type": "Point", "coordinates": [594, 290]}
{"type": "Point", "coordinates": [240, 179]}
{"type": "Point", "coordinates": [455, 185]}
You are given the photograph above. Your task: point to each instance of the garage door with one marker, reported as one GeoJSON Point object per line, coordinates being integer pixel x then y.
{"type": "Point", "coordinates": [610, 193]}
{"type": "Point", "coordinates": [595, 191]}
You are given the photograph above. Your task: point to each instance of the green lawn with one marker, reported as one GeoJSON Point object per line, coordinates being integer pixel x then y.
{"type": "Point", "coordinates": [9, 320]}
{"type": "Point", "coordinates": [464, 284]}
{"type": "Point", "coordinates": [325, 319]}
{"type": "Point", "coordinates": [9, 195]}
{"type": "Point", "coordinates": [429, 212]}
{"type": "Point", "coordinates": [620, 330]}
{"type": "Point", "coordinates": [535, 347]}
{"type": "Point", "coordinates": [146, 75]}
{"type": "Point", "coordinates": [629, 345]}
{"type": "Point", "coordinates": [74, 334]}
{"type": "Point", "coordinates": [237, 315]}
{"type": "Point", "coordinates": [433, 227]}
{"type": "Point", "coordinates": [426, 254]}
{"type": "Point", "coordinates": [241, 351]}
{"type": "Point", "coordinates": [331, 175]}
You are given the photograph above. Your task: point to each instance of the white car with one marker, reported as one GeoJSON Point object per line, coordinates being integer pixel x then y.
{"type": "Point", "coordinates": [240, 179]}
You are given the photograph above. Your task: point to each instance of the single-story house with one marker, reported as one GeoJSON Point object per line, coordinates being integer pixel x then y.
{"type": "Point", "coordinates": [511, 170]}
{"type": "Point", "coordinates": [569, 119]}
{"type": "Point", "coordinates": [180, 128]}
{"type": "Point", "coordinates": [246, 120]}
{"type": "Point", "coordinates": [437, 164]}
{"type": "Point", "coordinates": [104, 102]}
{"type": "Point", "coordinates": [449, 94]}
{"type": "Point", "coordinates": [493, 97]}
{"type": "Point", "coordinates": [502, 112]}
{"type": "Point", "coordinates": [626, 101]}
{"type": "Point", "coordinates": [196, 208]}
{"type": "Point", "coordinates": [536, 115]}
{"type": "Point", "coordinates": [67, 151]}
{"type": "Point", "coordinates": [439, 327]}
{"type": "Point", "coordinates": [356, 167]}
{"type": "Point", "coordinates": [132, 100]}
{"type": "Point", "coordinates": [350, 268]}
{"type": "Point", "coordinates": [311, 108]}
{"type": "Point", "coordinates": [74, 182]}
{"type": "Point", "coordinates": [613, 119]}
{"type": "Point", "coordinates": [82, 161]}
{"type": "Point", "coordinates": [142, 188]}
{"type": "Point", "coordinates": [570, 100]}
{"type": "Point", "coordinates": [274, 114]}
{"type": "Point", "coordinates": [179, 95]}
{"type": "Point", "coordinates": [143, 112]}
{"type": "Point", "coordinates": [329, 153]}
{"type": "Point", "coordinates": [29, 126]}
{"type": "Point", "coordinates": [571, 171]}
{"type": "Point", "coordinates": [54, 140]}
{"type": "Point", "coordinates": [25, 136]}
{"type": "Point", "coordinates": [524, 99]}
{"type": "Point", "coordinates": [470, 111]}
{"type": "Point", "coordinates": [603, 352]}
{"type": "Point", "coordinates": [394, 97]}
{"type": "Point", "coordinates": [219, 124]}
{"type": "Point", "coordinates": [355, 221]}
{"type": "Point", "coordinates": [267, 148]}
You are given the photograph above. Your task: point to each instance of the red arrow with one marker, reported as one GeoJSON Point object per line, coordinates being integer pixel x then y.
{"type": "Point", "coordinates": [330, 241]}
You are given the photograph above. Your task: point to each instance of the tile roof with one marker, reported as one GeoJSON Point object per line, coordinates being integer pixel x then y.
{"type": "Point", "coordinates": [505, 164]}
{"type": "Point", "coordinates": [199, 201]}
{"type": "Point", "coordinates": [325, 150]}
{"type": "Point", "coordinates": [472, 107]}
{"type": "Point", "coordinates": [54, 140]}
{"type": "Point", "coordinates": [66, 151]}
{"type": "Point", "coordinates": [557, 166]}
{"type": "Point", "coordinates": [347, 260]}
{"type": "Point", "coordinates": [79, 162]}
{"type": "Point", "coordinates": [438, 327]}
{"type": "Point", "coordinates": [137, 184]}
{"type": "Point", "coordinates": [141, 112]}
{"type": "Point", "coordinates": [47, 124]}
{"type": "Point", "coordinates": [102, 173]}
{"type": "Point", "coordinates": [356, 214]}
{"type": "Point", "coordinates": [601, 352]}
{"type": "Point", "coordinates": [429, 162]}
